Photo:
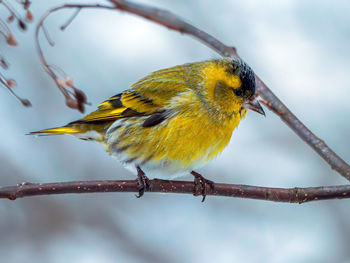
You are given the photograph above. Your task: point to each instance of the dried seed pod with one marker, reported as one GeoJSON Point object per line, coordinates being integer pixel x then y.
{"type": "Point", "coordinates": [60, 82]}
{"type": "Point", "coordinates": [69, 82]}
{"type": "Point", "coordinates": [26, 102]}
{"type": "Point", "coordinates": [26, 4]}
{"type": "Point", "coordinates": [11, 18]}
{"type": "Point", "coordinates": [11, 83]}
{"type": "Point", "coordinates": [71, 103]}
{"type": "Point", "coordinates": [29, 16]}
{"type": "Point", "coordinates": [22, 25]}
{"type": "Point", "coordinates": [11, 40]}
{"type": "Point", "coordinates": [4, 63]}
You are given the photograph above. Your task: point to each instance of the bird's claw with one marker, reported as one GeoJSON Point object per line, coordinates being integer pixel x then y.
{"type": "Point", "coordinates": [201, 185]}
{"type": "Point", "coordinates": [143, 183]}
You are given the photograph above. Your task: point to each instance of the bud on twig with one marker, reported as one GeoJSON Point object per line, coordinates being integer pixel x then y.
{"type": "Point", "coordinates": [71, 103]}
{"type": "Point", "coordinates": [11, 83]}
{"type": "Point", "coordinates": [26, 103]}
{"type": "Point", "coordinates": [69, 82]}
{"type": "Point", "coordinates": [60, 82]}
{"type": "Point", "coordinates": [4, 63]}
{"type": "Point", "coordinates": [22, 25]}
{"type": "Point", "coordinates": [11, 18]}
{"type": "Point", "coordinates": [29, 16]}
{"type": "Point", "coordinates": [11, 40]}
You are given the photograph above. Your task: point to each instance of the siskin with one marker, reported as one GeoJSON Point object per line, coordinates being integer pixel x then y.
{"type": "Point", "coordinates": [173, 120]}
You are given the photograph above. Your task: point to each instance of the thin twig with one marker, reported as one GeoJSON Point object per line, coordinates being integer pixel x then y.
{"type": "Point", "coordinates": [47, 36]}
{"type": "Point", "coordinates": [10, 39]}
{"type": "Point", "coordinates": [11, 10]}
{"type": "Point", "coordinates": [74, 102]}
{"type": "Point", "coordinates": [5, 83]}
{"type": "Point", "coordinates": [289, 195]}
{"type": "Point", "coordinates": [70, 20]}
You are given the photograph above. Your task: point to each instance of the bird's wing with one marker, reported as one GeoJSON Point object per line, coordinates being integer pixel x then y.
{"type": "Point", "coordinates": [148, 96]}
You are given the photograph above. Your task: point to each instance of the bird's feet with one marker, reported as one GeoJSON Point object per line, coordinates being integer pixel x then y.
{"type": "Point", "coordinates": [143, 183]}
{"type": "Point", "coordinates": [201, 185]}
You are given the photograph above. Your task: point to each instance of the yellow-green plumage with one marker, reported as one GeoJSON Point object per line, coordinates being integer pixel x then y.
{"type": "Point", "coordinates": [171, 121]}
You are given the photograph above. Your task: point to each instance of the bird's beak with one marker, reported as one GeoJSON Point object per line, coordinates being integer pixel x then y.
{"type": "Point", "coordinates": [253, 105]}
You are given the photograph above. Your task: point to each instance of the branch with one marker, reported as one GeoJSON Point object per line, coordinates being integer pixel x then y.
{"type": "Point", "coordinates": [289, 195]}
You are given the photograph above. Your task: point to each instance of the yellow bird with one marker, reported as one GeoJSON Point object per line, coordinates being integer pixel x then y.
{"type": "Point", "coordinates": [172, 121]}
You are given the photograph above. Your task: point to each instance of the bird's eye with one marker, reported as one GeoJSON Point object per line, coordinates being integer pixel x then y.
{"type": "Point", "coordinates": [238, 92]}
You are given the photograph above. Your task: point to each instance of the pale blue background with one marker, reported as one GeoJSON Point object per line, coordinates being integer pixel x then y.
{"type": "Point", "coordinates": [299, 48]}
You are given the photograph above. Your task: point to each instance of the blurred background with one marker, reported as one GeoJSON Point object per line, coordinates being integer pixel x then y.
{"type": "Point", "coordinates": [299, 48]}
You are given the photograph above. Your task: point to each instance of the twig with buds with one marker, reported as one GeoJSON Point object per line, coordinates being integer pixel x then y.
{"type": "Point", "coordinates": [6, 32]}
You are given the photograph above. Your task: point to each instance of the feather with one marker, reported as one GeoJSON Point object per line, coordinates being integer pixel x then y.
{"type": "Point", "coordinates": [154, 120]}
{"type": "Point", "coordinates": [58, 130]}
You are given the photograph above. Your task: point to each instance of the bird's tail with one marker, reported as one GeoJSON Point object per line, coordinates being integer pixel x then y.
{"type": "Point", "coordinates": [79, 129]}
{"type": "Point", "coordinates": [57, 131]}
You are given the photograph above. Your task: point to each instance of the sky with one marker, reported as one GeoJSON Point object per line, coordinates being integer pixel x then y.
{"type": "Point", "coordinates": [300, 50]}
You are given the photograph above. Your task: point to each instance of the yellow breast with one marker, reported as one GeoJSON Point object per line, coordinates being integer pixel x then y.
{"type": "Point", "coordinates": [189, 139]}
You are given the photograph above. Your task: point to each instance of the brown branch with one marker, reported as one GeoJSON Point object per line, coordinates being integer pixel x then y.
{"type": "Point", "coordinates": [289, 195]}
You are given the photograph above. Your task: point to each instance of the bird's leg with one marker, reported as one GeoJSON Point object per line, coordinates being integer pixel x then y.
{"type": "Point", "coordinates": [143, 183]}
{"type": "Point", "coordinates": [201, 184]}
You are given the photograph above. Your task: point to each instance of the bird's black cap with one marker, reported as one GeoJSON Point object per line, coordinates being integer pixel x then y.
{"type": "Point", "coordinates": [247, 77]}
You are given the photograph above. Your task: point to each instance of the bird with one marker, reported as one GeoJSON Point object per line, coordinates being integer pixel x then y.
{"type": "Point", "coordinates": [173, 121]}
